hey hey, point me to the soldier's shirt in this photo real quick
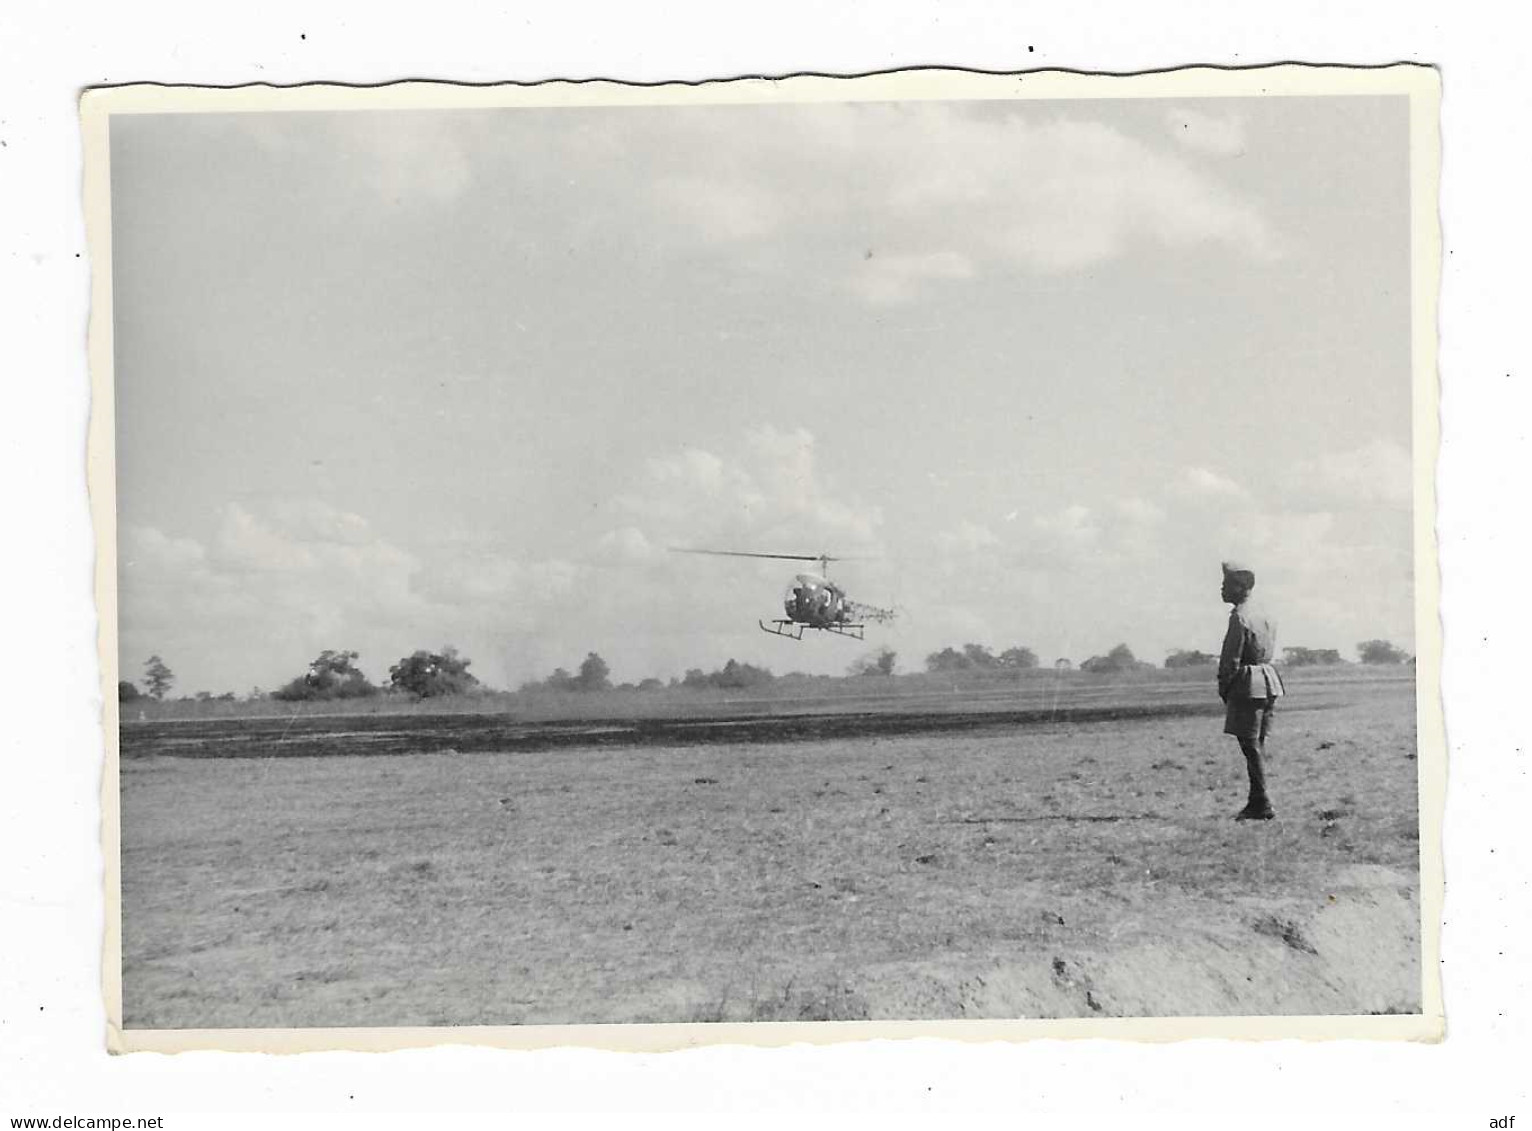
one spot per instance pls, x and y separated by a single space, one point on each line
1246 668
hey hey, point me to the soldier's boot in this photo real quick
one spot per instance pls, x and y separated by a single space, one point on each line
1258 808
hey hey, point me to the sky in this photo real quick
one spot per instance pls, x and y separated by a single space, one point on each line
389 380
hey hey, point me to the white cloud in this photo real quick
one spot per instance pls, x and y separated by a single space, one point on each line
270 590
273 585
1219 134
144 548
1066 538
393 161
891 279
628 544
511 591
967 538
1378 473
247 544
720 210
1139 511
767 496
940 193
1205 481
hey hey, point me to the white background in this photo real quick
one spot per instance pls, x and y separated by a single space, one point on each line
51 1019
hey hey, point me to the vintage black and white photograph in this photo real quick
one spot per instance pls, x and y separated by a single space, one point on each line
927 548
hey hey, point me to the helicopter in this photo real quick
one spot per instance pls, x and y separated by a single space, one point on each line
812 601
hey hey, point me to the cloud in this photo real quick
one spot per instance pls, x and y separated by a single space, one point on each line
1222 135
390 161
268 591
246 544
728 212
1205 482
271 586
1379 473
767 493
968 538
515 592
1139 511
890 279
892 200
940 193
1072 525
288 579
628 545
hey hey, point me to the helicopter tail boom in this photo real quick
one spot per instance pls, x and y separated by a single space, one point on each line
871 613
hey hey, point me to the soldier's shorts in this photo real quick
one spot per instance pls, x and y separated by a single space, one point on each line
1249 718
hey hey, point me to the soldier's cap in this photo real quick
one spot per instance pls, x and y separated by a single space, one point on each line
1239 574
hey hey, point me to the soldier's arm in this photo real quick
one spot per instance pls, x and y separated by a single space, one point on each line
1228 660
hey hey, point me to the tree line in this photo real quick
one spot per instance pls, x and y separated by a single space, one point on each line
424 674
333 674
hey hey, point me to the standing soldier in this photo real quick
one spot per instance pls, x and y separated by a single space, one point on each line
1249 683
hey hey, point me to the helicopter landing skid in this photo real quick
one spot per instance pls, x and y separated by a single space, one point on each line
793 630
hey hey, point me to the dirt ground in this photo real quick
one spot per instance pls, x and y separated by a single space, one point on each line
1042 870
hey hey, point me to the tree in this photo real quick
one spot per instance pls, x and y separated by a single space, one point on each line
127 692
428 674
947 660
980 657
1380 652
158 678
1310 657
1018 657
1183 658
594 674
880 662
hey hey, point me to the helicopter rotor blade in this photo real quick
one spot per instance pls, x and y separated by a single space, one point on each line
746 554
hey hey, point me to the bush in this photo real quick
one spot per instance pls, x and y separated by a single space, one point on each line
733 676
1119 659
1310 657
978 658
332 675
880 662
127 692
1184 658
1381 652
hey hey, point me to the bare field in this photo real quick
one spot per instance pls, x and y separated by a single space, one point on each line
992 866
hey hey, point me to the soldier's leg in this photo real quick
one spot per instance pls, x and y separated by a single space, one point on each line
1266 716
1259 804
